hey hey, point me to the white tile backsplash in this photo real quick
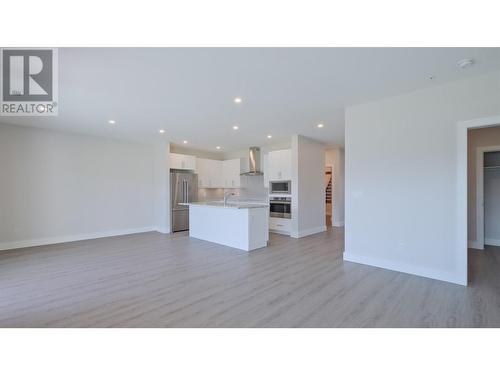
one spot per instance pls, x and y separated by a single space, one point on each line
252 189
205 195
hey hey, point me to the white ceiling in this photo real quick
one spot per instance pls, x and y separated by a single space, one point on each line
189 92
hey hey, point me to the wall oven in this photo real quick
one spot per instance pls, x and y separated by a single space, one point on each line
280 207
280 187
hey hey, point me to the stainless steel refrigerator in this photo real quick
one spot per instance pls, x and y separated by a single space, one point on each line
183 189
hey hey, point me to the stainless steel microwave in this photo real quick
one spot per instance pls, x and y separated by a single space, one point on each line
280 187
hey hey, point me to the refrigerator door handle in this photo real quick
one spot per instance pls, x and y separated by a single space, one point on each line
187 191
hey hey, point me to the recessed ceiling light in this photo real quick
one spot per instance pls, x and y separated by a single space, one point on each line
218 147
269 136
235 127
111 122
320 125
238 100
184 142
465 63
161 131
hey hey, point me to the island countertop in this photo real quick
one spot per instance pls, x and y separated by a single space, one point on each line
233 204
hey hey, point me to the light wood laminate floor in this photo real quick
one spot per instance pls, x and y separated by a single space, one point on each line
156 280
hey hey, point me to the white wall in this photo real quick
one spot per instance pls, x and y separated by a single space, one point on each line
339 195
401 176
162 188
308 193
58 187
335 158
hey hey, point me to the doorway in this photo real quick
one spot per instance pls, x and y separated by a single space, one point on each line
328 195
334 187
491 196
464 218
486 213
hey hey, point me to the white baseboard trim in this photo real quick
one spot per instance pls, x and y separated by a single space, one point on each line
308 232
162 230
283 232
492 241
72 238
474 245
257 245
338 224
406 268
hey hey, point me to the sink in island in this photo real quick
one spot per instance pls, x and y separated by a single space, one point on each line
241 225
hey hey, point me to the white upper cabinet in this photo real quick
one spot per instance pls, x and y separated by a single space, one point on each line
209 173
280 165
202 171
265 161
215 173
181 161
218 174
231 170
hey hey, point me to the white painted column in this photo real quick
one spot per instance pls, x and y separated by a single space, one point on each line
308 193
338 188
162 187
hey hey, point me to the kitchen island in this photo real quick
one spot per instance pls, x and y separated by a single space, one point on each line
241 225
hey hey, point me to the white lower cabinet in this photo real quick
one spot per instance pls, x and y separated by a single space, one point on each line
280 225
243 228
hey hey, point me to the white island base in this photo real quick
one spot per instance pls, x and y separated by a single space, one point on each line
244 227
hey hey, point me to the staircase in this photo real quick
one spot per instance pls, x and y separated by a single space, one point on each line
328 191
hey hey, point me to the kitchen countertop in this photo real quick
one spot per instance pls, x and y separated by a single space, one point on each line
230 204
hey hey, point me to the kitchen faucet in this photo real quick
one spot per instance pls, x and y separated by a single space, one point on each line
226 195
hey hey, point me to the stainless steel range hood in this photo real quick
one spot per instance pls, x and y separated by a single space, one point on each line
253 162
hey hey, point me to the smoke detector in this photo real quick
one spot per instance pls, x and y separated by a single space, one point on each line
465 63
